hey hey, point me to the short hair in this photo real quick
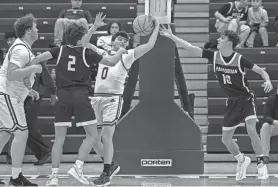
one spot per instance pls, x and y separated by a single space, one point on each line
110 25
23 24
120 33
9 35
232 36
74 33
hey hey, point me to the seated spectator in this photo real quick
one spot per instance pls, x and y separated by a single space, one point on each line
270 127
258 21
10 37
75 14
105 41
233 16
276 26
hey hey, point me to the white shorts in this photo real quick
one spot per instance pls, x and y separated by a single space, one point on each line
12 114
107 109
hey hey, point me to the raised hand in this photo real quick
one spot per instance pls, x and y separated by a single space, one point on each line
167 32
99 20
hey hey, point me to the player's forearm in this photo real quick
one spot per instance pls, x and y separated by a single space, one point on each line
265 75
42 58
47 79
20 73
112 60
153 37
192 50
89 35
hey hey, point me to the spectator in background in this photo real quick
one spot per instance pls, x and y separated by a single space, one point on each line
233 16
104 42
270 127
276 26
75 14
10 37
258 21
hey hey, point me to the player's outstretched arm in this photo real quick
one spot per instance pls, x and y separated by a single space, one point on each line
267 84
192 50
143 49
98 23
42 58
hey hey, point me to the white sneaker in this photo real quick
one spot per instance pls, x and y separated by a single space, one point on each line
77 173
53 181
262 171
242 168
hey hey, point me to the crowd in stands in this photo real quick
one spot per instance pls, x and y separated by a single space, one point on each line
246 18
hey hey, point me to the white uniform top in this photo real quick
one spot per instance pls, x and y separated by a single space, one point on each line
111 80
20 54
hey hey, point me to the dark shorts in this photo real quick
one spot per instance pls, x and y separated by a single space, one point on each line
75 102
238 111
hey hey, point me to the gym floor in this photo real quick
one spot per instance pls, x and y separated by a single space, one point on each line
216 174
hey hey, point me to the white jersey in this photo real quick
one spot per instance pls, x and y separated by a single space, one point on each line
111 80
20 54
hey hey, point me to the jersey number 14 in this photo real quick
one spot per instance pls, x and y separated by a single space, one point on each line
226 79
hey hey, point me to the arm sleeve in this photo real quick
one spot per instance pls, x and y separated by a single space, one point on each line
225 9
55 52
245 63
20 56
269 108
208 54
92 57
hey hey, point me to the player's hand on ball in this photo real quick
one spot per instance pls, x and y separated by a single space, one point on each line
267 86
99 20
34 95
167 32
53 100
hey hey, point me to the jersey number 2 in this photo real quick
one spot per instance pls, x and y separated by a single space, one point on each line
226 79
71 63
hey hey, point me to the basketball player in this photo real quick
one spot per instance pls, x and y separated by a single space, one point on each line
109 87
229 69
74 67
13 93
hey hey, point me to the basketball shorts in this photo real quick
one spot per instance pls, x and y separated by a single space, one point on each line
74 101
238 111
107 109
12 114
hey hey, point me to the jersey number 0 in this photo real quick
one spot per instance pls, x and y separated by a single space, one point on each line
104 73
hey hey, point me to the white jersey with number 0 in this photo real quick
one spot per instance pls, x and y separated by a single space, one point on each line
111 80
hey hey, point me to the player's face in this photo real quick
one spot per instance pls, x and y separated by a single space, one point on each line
10 41
223 42
34 32
76 3
114 28
120 42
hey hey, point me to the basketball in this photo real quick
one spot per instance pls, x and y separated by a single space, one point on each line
143 25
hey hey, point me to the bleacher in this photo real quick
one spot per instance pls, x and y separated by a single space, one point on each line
264 57
47 11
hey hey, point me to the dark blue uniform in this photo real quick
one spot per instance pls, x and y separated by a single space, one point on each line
230 73
74 68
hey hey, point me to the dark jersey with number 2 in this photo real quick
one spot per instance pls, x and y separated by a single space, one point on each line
230 72
75 65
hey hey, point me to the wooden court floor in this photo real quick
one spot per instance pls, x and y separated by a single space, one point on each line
216 174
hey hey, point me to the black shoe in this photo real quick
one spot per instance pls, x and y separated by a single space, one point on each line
2 183
44 159
21 181
103 180
114 169
9 159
